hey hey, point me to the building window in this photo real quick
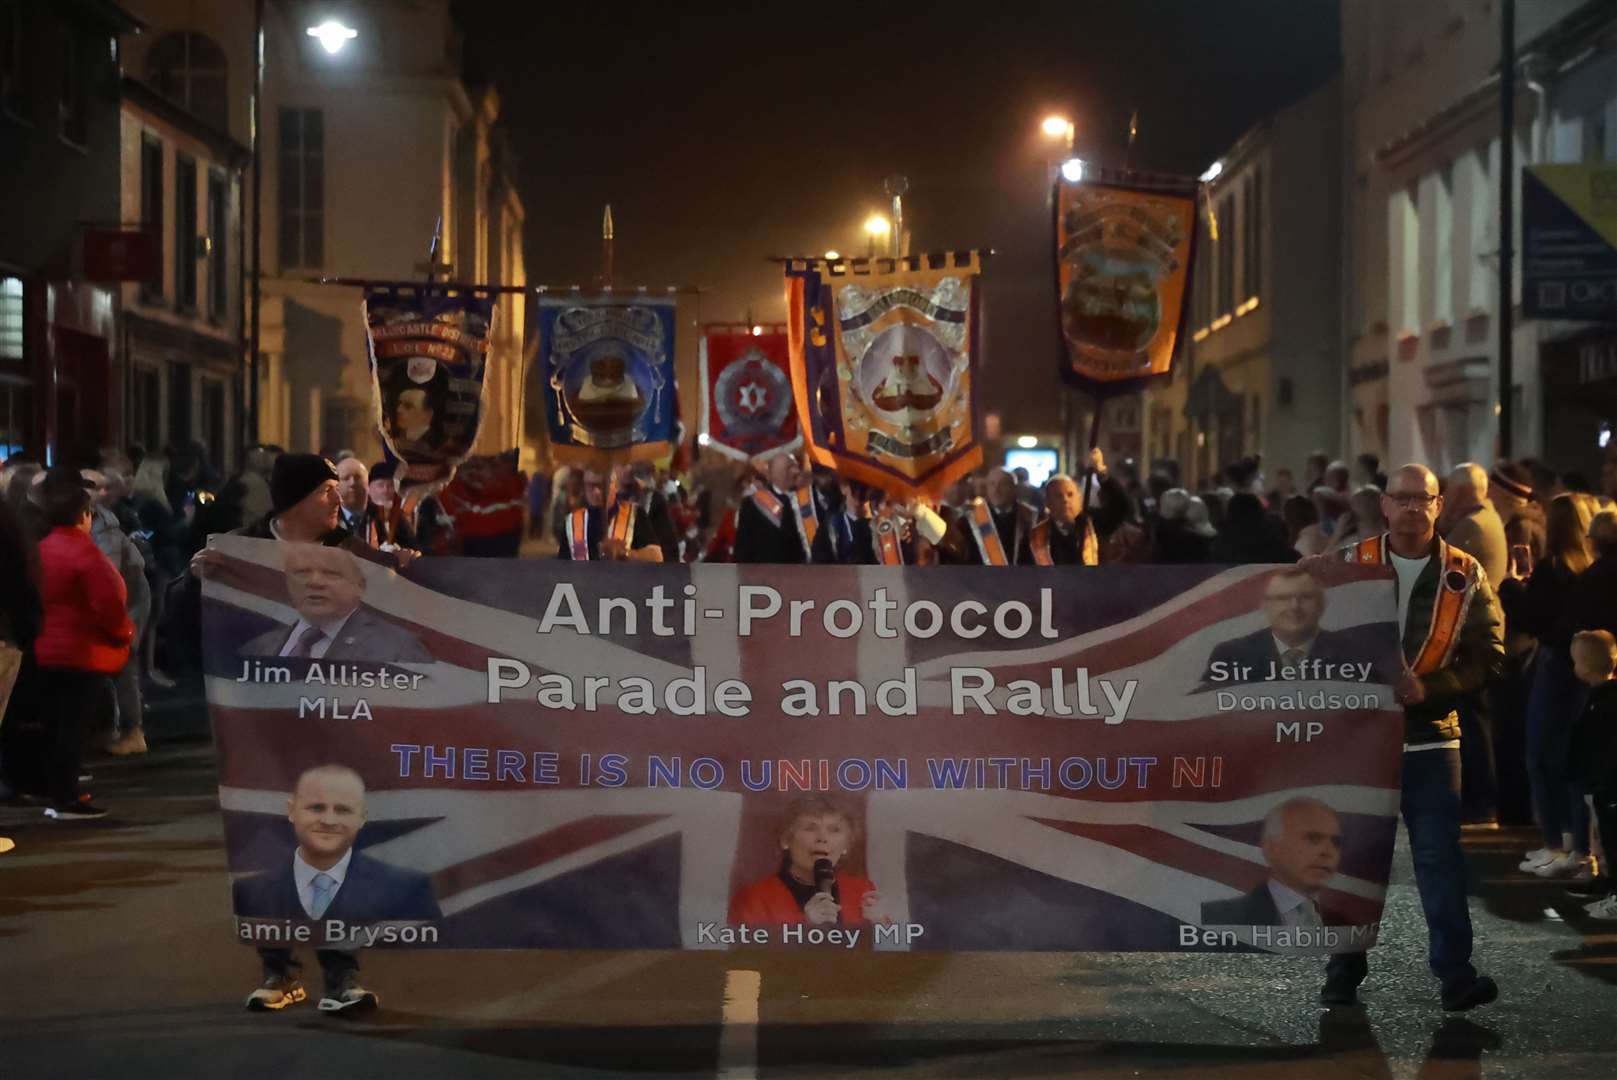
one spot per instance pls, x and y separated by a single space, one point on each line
70 102
11 323
213 419
1480 278
302 188
146 407
1252 257
1595 136
218 248
1443 246
151 209
15 73
185 232
1404 224
189 69
1226 255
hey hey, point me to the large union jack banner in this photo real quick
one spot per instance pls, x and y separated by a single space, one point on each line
538 754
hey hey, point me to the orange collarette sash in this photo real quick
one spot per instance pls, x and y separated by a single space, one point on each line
987 536
622 528
765 500
1038 541
1454 592
808 517
578 534
889 550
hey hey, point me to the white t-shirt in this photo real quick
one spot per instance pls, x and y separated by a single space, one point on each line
1408 571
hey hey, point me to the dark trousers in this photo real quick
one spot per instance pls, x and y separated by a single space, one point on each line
72 703
335 965
1479 770
23 734
1431 808
1554 700
1605 801
1507 701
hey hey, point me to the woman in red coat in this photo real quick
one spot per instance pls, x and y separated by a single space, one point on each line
815 832
84 640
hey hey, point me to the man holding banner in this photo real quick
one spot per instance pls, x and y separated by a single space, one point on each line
1453 644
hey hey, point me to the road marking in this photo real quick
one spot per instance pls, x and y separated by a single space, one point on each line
738 1031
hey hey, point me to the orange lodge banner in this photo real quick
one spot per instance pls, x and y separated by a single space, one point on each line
883 365
1123 257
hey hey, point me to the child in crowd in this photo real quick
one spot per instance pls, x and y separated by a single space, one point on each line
1594 747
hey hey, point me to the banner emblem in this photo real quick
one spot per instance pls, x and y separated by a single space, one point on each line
610 373
747 409
429 348
1123 259
883 365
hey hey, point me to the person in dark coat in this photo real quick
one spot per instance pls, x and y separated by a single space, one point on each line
21 617
768 529
1251 534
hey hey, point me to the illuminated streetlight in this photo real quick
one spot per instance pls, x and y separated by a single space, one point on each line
1072 170
332 35
877 228
757 331
832 256
1026 442
1056 126
1212 172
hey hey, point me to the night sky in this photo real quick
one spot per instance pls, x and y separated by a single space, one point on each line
725 133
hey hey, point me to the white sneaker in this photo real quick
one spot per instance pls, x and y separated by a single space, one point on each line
1604 909
1538 857
1569 867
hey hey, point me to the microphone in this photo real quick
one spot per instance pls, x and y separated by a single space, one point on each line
825 875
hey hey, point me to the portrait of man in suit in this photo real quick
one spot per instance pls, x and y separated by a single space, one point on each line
1302 845
326 585
325 878
1293 645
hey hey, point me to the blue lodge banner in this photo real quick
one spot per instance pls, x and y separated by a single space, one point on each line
429 347
609 378
557 755
882 370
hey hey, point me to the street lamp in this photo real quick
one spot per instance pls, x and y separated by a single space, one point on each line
876 227
1072 170
1059 127
832 256
333 36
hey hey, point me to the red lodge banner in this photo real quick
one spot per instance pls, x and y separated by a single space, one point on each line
747 410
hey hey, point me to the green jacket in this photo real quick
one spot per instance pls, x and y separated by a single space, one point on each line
1478 656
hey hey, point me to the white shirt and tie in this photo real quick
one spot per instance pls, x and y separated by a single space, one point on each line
317 888
1295 908
1292 655
312 639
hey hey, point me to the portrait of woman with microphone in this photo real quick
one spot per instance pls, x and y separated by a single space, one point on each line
807 888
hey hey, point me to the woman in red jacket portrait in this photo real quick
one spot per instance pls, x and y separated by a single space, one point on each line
808 889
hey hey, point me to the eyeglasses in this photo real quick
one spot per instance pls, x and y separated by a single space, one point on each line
1413 502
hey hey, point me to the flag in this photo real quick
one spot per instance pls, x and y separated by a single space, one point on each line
598 826
747 408
883 367
1123 257
429 347
608 377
